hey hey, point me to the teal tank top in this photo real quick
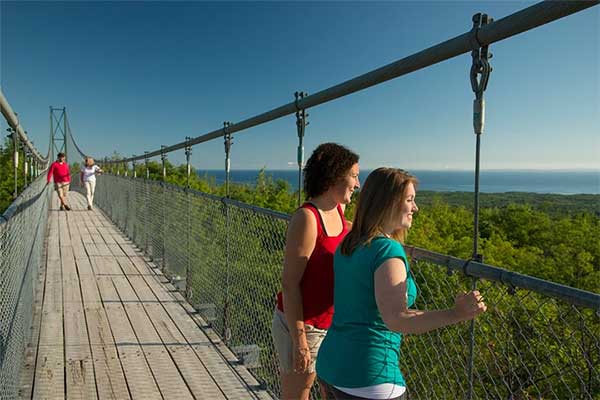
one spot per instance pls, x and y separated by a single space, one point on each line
359 350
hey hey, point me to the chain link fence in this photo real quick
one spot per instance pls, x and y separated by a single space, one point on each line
226 257
22 233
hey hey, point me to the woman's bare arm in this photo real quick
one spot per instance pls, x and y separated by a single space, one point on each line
300 243
390 294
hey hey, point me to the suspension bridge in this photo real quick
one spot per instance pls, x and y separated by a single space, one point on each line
164 292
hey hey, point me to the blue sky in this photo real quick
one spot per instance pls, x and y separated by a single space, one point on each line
135 75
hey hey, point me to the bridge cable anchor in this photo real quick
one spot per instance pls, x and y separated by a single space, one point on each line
188 153
163 158
480 71
227 141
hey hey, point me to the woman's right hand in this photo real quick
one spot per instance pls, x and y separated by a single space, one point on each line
469 305
302 358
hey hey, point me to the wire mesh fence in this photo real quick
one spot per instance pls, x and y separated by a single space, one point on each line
22 232
229 258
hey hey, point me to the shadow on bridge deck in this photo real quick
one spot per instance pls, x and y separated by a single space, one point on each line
107 326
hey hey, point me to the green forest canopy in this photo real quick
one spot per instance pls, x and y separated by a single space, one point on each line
553 237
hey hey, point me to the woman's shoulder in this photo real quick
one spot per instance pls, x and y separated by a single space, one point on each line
303 215
382 244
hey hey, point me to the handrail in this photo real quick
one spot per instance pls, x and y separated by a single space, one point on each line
468 267
20 203
13 122
512 279
519 22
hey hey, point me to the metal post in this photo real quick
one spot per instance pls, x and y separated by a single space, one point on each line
228 143
133 166
51 135
188 268
126 165
15 141
301 124
31 167
25 166
163 157
146 164
479 75
147 216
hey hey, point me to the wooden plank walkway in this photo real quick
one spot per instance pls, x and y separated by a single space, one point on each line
108 325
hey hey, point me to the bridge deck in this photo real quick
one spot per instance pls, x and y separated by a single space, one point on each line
108 327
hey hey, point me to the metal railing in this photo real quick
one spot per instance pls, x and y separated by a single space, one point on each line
15 125
22 233
537 340
511 25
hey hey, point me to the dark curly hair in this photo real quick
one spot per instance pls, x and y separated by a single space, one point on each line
327 164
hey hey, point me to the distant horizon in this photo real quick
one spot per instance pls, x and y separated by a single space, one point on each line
134 76
492 181
431 169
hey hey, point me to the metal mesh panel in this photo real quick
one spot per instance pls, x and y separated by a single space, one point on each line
527 345
207 278
256 247
21 249
176 232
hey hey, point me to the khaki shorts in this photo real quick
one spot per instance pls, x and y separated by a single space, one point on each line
62 188
284 346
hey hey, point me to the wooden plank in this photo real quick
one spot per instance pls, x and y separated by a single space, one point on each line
105 266
127 266
116 250
31 352
79 368
194 373
123 328
49 376
140 379
110 378
164 369
49 372
215 363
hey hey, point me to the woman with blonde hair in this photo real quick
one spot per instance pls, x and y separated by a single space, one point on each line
87 177
374 290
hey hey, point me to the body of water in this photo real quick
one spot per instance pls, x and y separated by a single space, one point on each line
557 182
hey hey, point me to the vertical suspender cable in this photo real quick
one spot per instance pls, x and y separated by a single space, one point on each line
25 165
163 157
188 268
228 143
482 69
301 123
15 161
146 205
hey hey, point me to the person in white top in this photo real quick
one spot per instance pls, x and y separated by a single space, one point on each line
87 177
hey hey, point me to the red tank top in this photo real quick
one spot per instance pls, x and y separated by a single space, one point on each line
317 282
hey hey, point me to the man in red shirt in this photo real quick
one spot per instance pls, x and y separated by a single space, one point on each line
59 171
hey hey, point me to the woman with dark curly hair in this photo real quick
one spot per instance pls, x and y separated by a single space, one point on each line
305 305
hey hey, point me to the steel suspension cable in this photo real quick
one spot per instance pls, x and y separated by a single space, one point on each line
521 21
